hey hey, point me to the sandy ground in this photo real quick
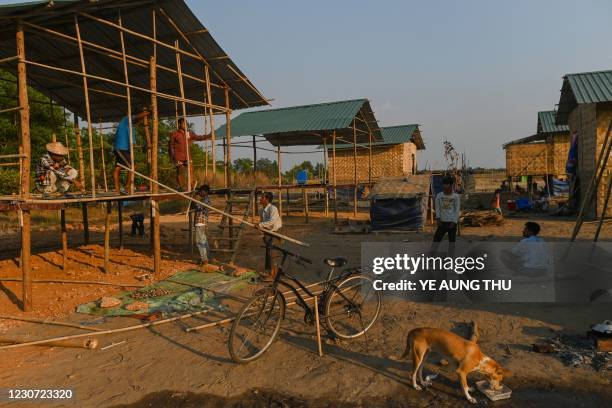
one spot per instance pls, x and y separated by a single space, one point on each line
165 366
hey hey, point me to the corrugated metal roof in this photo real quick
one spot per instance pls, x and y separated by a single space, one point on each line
538 137
392 135
66 88
306 124
583 87
547 123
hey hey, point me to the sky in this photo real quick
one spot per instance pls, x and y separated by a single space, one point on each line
474 72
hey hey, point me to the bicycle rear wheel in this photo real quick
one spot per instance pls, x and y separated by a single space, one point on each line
352 307
256 326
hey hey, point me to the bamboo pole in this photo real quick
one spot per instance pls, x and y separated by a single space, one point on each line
107 226
147 132
120 222
305 198
92 175
184 107
355 169
325 177
602 162
213 146
155 226
78 282
129 103
123 84
604 209
64 236
103 159
109 52
85 214
334 179
228 131
109 331
238 219
24 125
51 322
280 181
79 143
316 310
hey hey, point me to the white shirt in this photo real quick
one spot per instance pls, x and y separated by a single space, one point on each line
533 252
448 207
270 218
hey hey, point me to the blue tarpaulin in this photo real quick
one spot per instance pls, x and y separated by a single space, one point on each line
397 213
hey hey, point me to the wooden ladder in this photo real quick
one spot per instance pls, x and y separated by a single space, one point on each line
225 243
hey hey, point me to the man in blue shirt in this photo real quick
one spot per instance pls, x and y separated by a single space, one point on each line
121 147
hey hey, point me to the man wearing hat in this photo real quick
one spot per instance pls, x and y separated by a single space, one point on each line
53 174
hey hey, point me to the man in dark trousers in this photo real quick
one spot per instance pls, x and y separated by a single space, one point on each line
448 208
270 220
179 142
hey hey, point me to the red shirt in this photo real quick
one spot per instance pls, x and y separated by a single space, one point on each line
177 146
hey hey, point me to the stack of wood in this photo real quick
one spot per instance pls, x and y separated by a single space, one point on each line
480 218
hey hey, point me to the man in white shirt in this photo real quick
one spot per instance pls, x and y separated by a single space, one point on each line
270 220
448 208
532 252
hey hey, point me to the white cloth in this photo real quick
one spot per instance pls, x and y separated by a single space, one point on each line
533 252
270 218
448 207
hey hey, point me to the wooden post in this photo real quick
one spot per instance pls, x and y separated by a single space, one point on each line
213 145
184 107
355 168
92 176
254 162
334 179
155 226
147 132
79 143
25 160
228 132
305 195
325 177
120 222
103 159
107 238
288 203
85 224
128 95
280 182
64 234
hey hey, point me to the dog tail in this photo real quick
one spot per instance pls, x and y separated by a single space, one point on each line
406 352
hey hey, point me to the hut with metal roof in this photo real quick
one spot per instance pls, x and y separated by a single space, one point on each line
395 155
542 154
102 60
350 122
585 105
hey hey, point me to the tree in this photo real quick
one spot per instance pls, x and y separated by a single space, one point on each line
243 165
267 167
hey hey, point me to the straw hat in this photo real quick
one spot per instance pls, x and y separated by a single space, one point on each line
57 148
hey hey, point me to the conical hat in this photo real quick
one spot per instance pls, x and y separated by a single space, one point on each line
57 148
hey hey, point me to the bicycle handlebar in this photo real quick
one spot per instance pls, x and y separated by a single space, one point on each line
294 255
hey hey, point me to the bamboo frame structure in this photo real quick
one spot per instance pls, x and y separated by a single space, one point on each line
50 72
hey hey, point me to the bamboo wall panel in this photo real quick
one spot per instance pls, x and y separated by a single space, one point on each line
583 119
604 115
387 161
526 159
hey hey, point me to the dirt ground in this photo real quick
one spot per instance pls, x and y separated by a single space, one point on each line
166 366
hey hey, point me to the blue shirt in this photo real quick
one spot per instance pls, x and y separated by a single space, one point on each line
122 135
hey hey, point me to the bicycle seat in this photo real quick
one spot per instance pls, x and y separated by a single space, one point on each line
339 261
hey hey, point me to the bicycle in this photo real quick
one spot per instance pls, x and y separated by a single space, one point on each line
346 307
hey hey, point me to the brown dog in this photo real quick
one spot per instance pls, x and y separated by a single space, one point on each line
465 353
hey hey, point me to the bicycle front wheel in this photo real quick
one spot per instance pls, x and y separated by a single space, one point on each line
352 307
256 326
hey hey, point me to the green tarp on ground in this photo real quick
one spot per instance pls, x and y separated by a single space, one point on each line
187 291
